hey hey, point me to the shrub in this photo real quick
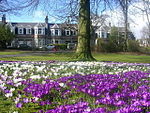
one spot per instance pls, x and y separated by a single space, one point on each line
145 50
61 46
133 46
100 45
108 45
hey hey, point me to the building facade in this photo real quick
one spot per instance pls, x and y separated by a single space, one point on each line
104 32
38 35
41 34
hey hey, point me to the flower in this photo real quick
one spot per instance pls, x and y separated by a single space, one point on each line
19 105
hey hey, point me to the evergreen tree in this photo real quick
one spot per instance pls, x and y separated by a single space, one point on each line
6 36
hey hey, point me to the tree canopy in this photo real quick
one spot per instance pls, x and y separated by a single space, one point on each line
5 35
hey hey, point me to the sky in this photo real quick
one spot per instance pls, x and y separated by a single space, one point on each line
36 16
137 21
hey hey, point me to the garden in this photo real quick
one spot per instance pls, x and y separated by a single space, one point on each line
74 87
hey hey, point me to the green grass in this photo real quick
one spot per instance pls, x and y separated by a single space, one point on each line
118 57
115 57
55 56
11 52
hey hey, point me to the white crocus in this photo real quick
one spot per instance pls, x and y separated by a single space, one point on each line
8 95
62 84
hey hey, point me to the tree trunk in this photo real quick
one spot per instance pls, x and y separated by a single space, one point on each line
126 25
83 51
147 8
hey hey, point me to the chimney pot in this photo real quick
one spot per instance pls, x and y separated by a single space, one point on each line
4 18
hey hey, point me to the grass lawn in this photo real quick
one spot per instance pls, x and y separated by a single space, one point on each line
122 57
115 57
11 52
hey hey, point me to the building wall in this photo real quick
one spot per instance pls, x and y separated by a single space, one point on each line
41 36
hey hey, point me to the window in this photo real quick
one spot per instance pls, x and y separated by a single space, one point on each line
20 31
56 32
73 32
28 30
39 31
103 34
67 32
99 35
44 42
52 32
108 35
43 31
56 41
40 42
36 31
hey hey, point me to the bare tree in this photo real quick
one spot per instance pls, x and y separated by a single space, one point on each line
146 10
124 4
98 20
145 35
13 6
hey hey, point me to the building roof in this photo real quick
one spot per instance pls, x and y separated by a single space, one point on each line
105 28
40 25
23 24
51 25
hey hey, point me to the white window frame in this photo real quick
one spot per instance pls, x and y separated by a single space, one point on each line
36 31
43 31
55 32
40 31
52 32
27 30
73 32
66 32
21 30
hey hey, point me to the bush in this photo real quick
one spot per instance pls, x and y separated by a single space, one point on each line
108 45
100 46
133 46
60 46
145 50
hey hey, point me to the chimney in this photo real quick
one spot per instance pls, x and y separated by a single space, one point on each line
4 18
46 20
109 24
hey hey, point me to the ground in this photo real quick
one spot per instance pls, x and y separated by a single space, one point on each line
69 56
48 82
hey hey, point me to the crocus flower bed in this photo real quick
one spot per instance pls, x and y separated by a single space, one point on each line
75 87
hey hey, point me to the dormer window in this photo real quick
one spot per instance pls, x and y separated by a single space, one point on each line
67 32
39 31
36 31
28 30
103 35
73 32
52 32
56 32
20 30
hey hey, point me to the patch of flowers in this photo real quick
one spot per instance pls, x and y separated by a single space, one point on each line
76 87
